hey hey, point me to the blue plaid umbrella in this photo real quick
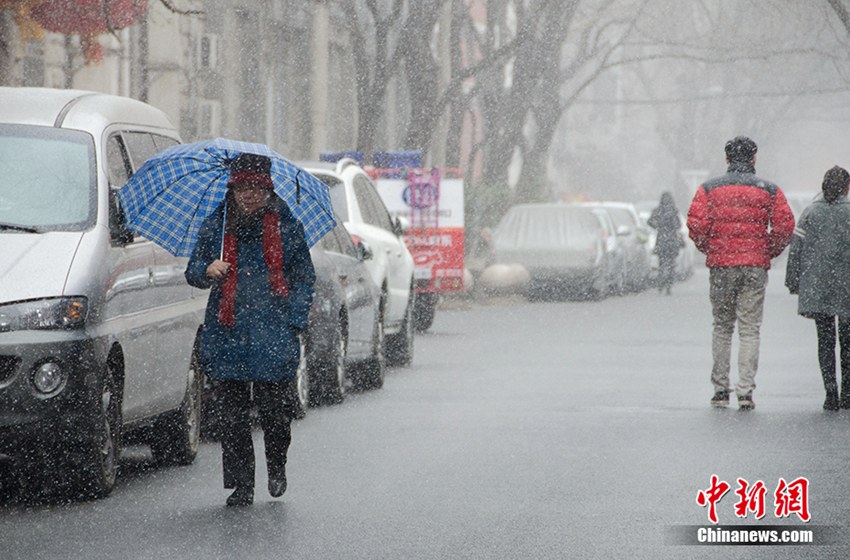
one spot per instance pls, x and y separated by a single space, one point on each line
168 198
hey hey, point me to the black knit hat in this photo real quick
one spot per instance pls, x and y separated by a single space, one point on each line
251 169
252 163
741 149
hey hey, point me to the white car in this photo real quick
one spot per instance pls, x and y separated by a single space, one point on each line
632 236
356 201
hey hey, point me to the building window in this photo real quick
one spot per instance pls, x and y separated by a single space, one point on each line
208 51
209 118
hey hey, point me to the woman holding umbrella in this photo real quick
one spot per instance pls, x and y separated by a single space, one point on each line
253 255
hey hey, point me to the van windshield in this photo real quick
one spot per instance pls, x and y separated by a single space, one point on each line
47 179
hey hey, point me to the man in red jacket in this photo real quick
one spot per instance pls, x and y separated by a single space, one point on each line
740 222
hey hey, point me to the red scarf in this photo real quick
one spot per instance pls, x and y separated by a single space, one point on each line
272 254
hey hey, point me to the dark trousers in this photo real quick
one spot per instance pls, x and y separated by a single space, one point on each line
825 325
666 266
237 444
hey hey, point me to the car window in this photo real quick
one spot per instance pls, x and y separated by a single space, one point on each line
140 146
331 243
345 242
605 220
117 163
622 217
163 142
361 193
119 170
547 226
47 178
337 193
377 212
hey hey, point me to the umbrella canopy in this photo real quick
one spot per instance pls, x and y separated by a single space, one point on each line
169 197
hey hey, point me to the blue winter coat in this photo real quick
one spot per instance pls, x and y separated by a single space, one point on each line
263 343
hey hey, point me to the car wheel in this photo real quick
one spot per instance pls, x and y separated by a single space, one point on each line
99 452
177 435
400 346
302 383
370 373
423 311
331 372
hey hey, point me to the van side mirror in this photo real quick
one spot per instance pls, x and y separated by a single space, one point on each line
118 230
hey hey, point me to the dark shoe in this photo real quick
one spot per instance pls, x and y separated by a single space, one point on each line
844 403
277 486
745 402
831 403
242 496
720 399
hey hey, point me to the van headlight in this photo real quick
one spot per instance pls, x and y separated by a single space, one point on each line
44 314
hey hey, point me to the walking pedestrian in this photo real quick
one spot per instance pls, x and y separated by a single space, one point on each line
740 222
666 221
819 271
253 255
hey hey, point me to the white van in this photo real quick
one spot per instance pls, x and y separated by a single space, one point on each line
97 325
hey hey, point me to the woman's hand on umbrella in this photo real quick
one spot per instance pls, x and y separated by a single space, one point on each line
218 269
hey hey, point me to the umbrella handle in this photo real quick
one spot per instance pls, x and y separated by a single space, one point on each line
223 229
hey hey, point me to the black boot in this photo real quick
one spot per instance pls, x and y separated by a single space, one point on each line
242 496
277 482
277 486
831 402
844 401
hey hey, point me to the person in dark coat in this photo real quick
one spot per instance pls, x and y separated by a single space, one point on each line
253 254
665 220
818 270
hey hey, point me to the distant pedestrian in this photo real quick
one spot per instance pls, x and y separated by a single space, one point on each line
819 271
666 221
740 222
252 252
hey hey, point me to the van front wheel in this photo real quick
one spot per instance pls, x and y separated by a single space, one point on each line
99 452
177 435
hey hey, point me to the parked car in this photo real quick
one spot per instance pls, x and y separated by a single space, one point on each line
98 327
561 246
364 215
616 267
344 332
685 260
632 236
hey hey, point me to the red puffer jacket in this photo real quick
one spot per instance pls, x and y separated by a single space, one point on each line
740 220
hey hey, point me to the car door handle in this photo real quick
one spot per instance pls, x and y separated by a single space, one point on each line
343 277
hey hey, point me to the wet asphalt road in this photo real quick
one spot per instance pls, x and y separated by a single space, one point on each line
523 430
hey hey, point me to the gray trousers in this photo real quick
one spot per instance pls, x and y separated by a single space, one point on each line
737 294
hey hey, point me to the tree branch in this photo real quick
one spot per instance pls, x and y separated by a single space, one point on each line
173 9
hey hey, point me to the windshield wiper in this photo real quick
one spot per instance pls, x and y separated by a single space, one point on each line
16 227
